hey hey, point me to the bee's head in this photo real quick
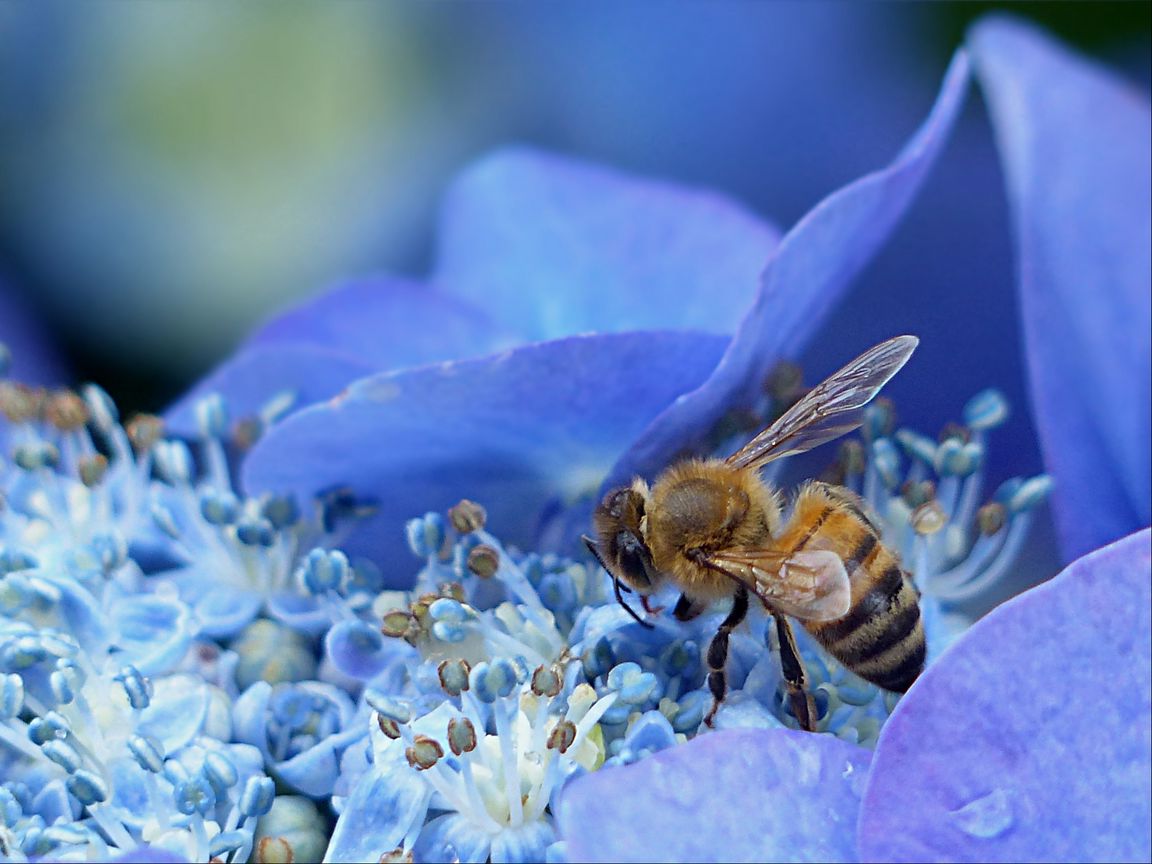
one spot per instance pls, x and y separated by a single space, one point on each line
619 543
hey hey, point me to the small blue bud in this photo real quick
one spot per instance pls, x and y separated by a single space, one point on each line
425 535
1029 493
48 727
492 681
101 409
256 532
60 682
219 507
281 510
448 632
136 686
387 706
148 753
598 659
679 657
23 652
986 410
212 416
10 809
88 788
220 772
173 462
447 609
917 446
11 695
324 570
691 711
257 796
194 795
557 592
63 754
886 461
63 834
634 685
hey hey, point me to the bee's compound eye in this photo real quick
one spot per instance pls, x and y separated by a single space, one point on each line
634 561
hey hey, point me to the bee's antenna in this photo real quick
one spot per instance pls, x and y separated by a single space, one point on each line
595 550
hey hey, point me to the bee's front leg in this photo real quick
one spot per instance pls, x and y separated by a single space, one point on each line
718 652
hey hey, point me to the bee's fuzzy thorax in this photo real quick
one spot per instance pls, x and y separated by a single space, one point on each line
706 505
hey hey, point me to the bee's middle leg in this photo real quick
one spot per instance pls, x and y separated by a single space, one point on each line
718 652
795 678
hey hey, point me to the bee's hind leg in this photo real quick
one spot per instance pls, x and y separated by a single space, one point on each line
795 678
718 651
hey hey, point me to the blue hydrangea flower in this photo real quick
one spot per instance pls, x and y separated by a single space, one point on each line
182 647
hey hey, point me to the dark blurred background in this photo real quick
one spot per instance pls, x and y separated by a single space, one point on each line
171 173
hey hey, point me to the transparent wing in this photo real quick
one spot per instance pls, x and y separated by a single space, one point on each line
810 585
830 409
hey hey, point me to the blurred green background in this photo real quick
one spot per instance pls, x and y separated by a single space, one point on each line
171 173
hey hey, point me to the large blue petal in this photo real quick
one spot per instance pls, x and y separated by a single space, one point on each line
1031 738
1075 144
360 326
805 276
517 431
552 247
736 795
255 375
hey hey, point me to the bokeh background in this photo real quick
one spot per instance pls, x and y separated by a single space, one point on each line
172 173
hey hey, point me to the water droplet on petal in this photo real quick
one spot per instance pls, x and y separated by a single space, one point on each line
987 817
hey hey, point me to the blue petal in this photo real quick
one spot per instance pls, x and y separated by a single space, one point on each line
359 650
805 276
251 378
145 854
1075 144
153 631
524 845
736 795
359 327
552 247
451 838
223 609
388 323
250 717
177 711
314 771
1031 738
518 432
381 810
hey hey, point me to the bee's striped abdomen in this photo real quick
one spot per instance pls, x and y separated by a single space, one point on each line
881 638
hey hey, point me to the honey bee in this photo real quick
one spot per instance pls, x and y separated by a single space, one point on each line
715 530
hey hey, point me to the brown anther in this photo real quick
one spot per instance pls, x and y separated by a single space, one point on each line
467 516
395 623
19 402
453 675
92 469
246 432
916 493
461 735
144 430
484 561
928 518
388 726
453 590
424 753
545 681
65 410
562 736
991 518
273 850
399 855
955 430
